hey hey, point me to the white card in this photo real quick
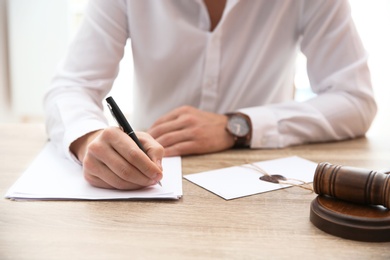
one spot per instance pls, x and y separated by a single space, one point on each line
239 181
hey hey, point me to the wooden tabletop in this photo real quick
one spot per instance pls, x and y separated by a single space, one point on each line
200 225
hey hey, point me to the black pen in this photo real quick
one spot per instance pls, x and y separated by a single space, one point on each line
123 123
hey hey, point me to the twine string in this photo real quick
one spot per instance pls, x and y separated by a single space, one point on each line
277 178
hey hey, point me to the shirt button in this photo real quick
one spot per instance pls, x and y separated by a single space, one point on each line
210 82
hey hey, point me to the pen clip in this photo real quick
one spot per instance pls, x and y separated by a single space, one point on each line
113 115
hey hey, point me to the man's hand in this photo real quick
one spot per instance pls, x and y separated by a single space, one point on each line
187 130
111 159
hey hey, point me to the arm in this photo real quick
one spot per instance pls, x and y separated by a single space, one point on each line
343 108
75 120
337 68
73 103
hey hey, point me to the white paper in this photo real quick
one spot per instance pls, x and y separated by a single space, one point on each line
52 176
241 181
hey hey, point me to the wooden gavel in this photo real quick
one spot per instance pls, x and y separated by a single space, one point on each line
353 184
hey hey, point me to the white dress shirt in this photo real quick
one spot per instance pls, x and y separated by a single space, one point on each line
246 64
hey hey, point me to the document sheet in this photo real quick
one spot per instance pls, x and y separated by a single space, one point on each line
244 180
52 176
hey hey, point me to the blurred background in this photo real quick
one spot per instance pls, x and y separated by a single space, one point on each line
34 35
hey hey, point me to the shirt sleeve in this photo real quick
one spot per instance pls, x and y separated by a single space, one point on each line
344 105
73 102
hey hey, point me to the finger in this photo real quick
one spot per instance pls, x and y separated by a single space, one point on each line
110 150
154 149
180 123
175 114
183 142
170 116
171 138
182 148
127 172
107 181
165 127
97 182
99 175
137 160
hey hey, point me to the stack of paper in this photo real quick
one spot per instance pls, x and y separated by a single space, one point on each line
52 176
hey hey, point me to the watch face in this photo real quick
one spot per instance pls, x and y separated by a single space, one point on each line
238 126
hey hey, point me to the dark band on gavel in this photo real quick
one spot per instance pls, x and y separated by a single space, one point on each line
352 184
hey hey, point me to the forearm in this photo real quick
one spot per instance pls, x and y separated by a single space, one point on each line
69 116
332 116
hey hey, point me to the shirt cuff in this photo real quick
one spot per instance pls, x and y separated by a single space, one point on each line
264 127
73 133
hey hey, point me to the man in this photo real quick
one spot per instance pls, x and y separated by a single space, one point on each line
209 75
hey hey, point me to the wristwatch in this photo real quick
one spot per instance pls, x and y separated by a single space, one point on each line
240 127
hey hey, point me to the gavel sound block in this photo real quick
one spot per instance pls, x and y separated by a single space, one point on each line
353 203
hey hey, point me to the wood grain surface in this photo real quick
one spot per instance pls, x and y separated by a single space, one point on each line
201 225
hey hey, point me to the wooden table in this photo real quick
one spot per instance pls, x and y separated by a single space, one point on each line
201 225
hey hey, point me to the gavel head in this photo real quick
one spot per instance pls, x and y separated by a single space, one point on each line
352 184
